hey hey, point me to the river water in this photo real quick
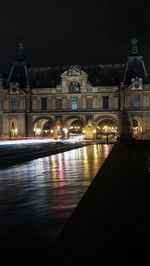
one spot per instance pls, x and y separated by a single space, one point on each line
38 197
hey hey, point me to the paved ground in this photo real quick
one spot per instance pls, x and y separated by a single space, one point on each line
111 225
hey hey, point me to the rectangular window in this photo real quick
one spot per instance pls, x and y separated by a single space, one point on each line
58 104
44 104
105 102
137 101
14 104
74 103
127 98
89 103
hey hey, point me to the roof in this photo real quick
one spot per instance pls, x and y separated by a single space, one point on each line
135 65
19 73
98 75
135 68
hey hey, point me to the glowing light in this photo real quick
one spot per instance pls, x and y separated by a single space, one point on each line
38 131
16 130
40 140
135 128
65 130
94 130
26 141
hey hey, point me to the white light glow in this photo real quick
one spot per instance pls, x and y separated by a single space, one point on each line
65 130
42 140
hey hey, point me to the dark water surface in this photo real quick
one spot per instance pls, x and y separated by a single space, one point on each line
38 197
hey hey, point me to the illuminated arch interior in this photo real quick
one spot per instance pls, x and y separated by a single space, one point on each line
13 127
44 128
136 127
107 126
76 127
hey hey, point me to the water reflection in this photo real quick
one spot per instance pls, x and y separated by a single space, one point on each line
38 197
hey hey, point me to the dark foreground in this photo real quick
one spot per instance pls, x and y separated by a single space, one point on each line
111 225
38 197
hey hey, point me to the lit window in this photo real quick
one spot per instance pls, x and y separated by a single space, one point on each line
74 103
14 104
137 101
74 86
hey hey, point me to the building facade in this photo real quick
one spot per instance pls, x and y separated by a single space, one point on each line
89 101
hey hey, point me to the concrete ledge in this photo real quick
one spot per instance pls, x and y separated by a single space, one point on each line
111 225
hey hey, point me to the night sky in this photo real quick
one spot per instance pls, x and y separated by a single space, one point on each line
63 32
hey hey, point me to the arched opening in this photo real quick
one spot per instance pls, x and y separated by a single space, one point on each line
136 128
13 127
106 129
43 128
48 129
75 126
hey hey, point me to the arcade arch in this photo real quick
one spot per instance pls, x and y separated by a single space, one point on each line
43 127
74 125
106 128
137 127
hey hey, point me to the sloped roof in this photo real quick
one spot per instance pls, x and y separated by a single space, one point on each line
19 73
135 65
98 75
135 68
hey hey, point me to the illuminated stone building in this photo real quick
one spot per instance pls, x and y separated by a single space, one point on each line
65 101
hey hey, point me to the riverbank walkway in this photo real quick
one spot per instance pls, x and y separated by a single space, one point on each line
111 224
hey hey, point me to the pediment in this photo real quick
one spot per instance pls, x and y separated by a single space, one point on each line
14 90
74 71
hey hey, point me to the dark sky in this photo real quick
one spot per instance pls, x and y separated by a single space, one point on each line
63 32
